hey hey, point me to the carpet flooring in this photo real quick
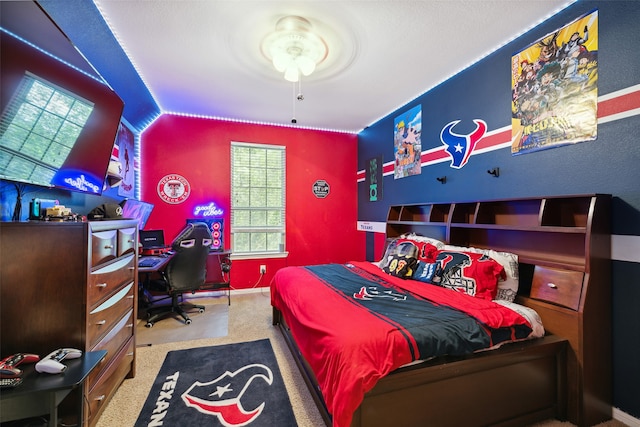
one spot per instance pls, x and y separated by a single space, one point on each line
212 323
249 319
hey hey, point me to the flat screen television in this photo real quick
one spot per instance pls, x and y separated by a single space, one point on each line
58 125
136 209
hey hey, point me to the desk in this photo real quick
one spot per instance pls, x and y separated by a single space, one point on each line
216 279
40 394
158 267
144 274
219 276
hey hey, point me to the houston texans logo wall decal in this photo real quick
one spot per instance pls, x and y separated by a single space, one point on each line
458 146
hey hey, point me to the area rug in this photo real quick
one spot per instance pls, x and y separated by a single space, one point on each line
212 323
228 385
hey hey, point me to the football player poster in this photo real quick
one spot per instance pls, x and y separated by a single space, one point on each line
554 88
407 146
126 141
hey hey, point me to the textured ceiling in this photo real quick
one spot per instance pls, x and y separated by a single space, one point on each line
202 57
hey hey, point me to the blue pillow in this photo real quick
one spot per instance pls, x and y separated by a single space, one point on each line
428 272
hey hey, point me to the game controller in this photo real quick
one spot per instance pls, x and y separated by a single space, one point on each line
9 365
52 363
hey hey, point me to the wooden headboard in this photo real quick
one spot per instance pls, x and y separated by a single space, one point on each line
564 248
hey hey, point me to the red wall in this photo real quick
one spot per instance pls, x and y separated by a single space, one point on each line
318 230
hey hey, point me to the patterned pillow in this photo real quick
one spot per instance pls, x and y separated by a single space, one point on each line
420 250
507 287
428 272
472 273
401 266
425 251
423 239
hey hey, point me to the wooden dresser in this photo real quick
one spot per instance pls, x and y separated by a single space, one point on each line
70 284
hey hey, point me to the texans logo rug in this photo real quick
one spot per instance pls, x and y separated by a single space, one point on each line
231 385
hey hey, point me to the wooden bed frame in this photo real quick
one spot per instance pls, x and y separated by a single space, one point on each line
563 244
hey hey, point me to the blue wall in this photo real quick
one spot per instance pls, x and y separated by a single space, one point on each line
606 165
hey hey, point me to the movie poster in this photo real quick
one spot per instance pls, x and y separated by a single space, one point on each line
407 146
554 88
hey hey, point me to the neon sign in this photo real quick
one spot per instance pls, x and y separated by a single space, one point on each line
82 183
208 210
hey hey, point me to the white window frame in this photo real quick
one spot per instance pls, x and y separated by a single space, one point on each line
236 209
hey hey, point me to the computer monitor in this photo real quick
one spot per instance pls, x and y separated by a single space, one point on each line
136 209
152 239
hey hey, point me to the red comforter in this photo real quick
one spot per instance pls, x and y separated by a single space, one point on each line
354 324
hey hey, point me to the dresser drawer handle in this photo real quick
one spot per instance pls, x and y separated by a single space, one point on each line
130 354
129 325
101 285
131 241
552 285
130 297
101 322
108 246
100 398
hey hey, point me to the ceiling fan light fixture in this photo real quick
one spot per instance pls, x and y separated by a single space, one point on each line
293 48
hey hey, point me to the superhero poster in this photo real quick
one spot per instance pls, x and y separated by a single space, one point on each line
407 146
554 88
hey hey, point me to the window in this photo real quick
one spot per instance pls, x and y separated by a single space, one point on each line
38 130
257 199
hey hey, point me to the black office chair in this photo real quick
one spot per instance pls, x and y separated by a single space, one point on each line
185 272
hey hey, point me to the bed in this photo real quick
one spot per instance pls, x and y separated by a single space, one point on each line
368 362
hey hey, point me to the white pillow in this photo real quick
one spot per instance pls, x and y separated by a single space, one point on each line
507 288
418 238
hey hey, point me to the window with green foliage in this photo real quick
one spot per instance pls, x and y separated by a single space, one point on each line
257 198
38 129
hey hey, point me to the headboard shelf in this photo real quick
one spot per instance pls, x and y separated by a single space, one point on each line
563 245
517 213
532 228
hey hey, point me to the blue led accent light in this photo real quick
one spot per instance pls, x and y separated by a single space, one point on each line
4 30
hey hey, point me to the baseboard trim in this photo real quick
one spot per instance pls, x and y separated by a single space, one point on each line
625 418
221 293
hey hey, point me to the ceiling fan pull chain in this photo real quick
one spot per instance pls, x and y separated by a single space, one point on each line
293 98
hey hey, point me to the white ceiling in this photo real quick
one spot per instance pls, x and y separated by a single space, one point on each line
202 57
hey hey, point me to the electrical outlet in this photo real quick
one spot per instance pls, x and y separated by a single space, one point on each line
263 269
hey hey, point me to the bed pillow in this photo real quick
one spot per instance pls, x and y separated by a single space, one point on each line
475 274
401 266
428 272
418 238
420 250
425 251
507 287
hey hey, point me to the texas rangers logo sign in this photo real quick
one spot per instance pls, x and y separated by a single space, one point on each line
460 146
222 397
174 189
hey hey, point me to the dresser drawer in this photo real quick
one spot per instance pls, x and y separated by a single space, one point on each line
104 387
127 241
105 281
104 246
560 287
104 317
113 342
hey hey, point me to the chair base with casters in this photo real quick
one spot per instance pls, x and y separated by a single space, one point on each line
185 272
176 307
